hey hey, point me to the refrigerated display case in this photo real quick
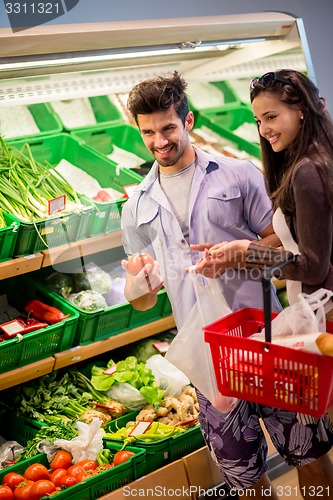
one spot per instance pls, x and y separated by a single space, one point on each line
53 63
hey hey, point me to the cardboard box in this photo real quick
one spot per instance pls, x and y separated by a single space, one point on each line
168 482
202 471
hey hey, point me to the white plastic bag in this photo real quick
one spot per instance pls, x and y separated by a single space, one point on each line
167 376
127 395
305 316
87 445
190 353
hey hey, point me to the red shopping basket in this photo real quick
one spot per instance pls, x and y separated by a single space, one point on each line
266 373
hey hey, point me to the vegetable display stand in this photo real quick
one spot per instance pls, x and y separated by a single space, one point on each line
164 451
105 112
96 486
8 237
225 121
106 215
264 372
42 343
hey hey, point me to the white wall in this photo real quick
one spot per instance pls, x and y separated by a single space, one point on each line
317 17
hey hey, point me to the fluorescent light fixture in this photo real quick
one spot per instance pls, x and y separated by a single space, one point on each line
184 48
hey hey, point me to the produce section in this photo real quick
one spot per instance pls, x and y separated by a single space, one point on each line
90 128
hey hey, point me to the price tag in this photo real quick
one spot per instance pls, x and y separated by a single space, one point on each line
187 422
57 204
111 370
129 189
99 405
12 327
162 347
141 427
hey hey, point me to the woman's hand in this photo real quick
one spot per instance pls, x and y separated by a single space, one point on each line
217 258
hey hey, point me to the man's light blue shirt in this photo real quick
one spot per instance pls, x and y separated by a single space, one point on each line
228 201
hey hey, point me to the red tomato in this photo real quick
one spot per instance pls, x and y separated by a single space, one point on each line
68 481
87 464
12 479
35 472
22 492
61 460
137 261
41 488
57 475
102 468
6 493
84 475
73 470
122 456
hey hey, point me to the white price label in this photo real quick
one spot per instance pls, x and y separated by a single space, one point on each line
111 370
57 204
141 427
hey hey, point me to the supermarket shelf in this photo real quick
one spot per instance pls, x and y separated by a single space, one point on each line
63 253
25 373
80 353
21 265
79 249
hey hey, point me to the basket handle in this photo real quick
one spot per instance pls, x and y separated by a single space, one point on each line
266 286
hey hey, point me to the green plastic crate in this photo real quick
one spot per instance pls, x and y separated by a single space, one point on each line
42 343
96 486
8 237
231 98
124 136
19 429
106 216
160 310
105 112
112 320
46 120
225 121
160 453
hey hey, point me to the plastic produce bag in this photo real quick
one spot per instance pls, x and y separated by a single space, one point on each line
127 395
167 375
190 353
87 444
305 316
9 451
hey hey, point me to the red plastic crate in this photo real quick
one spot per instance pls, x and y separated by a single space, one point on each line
267 373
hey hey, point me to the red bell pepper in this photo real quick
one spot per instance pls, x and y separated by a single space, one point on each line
19 325
44 312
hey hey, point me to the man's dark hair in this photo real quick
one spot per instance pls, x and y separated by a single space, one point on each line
159 94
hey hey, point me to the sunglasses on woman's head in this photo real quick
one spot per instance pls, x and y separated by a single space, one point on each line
268 79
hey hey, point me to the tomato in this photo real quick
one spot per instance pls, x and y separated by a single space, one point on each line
102 468
122 456
84 475
41 488
35 472
68 481
73 470
6 493
57 475
22 492
87 464
137 261
61 460
12 479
